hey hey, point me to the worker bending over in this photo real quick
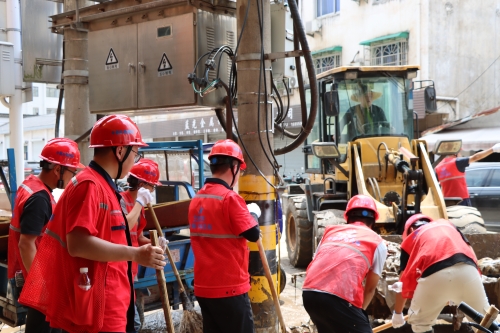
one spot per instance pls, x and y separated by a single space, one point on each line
342 278
438 266
32 210
142 180
88 230
220 224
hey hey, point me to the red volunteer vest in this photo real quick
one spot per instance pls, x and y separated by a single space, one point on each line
52 288
221 265
129 204
429 244
342 262
29 187
452 181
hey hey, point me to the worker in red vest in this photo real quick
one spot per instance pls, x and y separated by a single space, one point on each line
32 210
334 293
451 174
88 235
438 266
220 225
142 180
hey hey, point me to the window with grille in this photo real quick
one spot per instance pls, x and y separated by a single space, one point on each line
324 63
52 92
325 7
390 53
35 91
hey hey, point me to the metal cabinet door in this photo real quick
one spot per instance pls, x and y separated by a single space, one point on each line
113 69
166 55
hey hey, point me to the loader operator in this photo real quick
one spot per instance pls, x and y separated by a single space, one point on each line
142 180
333 291
32 210
437 266
88 230
363 117
451 174
220 224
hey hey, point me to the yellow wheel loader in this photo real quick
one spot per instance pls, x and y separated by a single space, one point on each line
363 143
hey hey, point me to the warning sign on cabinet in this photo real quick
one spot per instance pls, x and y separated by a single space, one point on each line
111 61
165 67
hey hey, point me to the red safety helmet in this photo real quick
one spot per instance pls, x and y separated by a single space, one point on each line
361 202
228 148
147 171
415 219
115 130
62 151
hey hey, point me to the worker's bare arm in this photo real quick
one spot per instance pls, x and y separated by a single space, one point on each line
370 287
400 303
479 156
27 249
133 216
81 244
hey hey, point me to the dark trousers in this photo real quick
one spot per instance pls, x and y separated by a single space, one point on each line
35 323
332 314
465 202
226 315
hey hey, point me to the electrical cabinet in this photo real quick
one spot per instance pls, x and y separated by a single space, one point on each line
144 66
7 77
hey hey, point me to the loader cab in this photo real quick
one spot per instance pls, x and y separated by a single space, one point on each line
361 102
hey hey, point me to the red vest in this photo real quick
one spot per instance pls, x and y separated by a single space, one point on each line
452 180
342 262
429 244
29 187
51 287
129 204
221 265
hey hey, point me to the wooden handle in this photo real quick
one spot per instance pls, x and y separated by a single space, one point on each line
386 326
269 277
489 317
167 250
155 219
162 286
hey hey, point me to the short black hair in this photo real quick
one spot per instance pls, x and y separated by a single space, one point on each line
220 164
361 215
133 182
102 151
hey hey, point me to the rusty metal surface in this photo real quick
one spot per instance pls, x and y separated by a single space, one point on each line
172 214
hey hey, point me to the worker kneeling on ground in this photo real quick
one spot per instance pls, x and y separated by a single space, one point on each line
333 291
220 224
142 180
88 235
32 210
438 266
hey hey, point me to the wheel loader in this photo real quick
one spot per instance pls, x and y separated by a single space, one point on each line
363 143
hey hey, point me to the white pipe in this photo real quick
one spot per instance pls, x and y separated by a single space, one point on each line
15 101
451 99
4 102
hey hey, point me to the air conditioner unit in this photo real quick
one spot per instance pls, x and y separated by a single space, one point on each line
313 27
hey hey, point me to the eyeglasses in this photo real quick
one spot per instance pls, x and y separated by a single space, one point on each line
73 172
137 157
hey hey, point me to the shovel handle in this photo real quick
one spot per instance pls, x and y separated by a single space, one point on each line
155 219
386 326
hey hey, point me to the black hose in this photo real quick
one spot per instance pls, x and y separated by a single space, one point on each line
61 96
222 119
306 130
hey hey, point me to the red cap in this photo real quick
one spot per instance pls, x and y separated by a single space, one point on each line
228 148
115 130
147 171
361 201
62 151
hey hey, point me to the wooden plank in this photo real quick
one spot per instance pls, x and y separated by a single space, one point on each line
170 214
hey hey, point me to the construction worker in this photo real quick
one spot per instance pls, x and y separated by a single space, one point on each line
220 225
88 232
60 160
451 174
334 294
142 180
438 267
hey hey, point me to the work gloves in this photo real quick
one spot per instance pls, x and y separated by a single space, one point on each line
496 148
162 242
254 209
397 319
144 197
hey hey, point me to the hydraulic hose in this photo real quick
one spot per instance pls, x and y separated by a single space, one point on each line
306 130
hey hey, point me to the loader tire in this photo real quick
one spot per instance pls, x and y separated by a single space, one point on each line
467 219
298 232
323 219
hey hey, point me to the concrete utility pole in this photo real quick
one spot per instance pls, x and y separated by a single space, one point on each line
16 101
252 186
77 119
